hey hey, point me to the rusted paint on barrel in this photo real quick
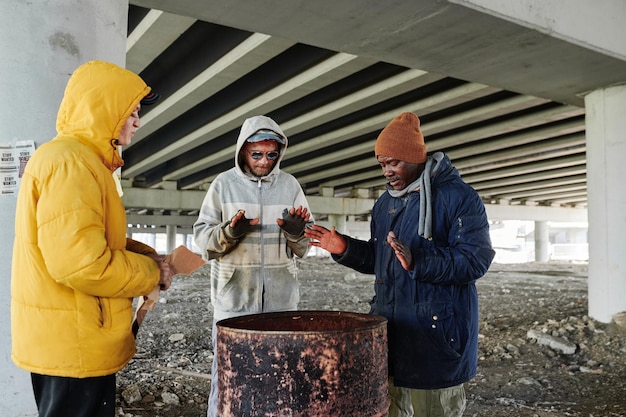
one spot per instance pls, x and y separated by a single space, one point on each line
303 363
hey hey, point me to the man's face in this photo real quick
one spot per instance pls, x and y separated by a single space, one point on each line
399 173
260 157
130 127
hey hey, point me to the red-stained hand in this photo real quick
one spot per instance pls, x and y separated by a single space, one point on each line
166 271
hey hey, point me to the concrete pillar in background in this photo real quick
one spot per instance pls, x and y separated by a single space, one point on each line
606 148
340 223
41 43
170 232
542 241
151 240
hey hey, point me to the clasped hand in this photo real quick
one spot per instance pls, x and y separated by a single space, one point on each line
166 271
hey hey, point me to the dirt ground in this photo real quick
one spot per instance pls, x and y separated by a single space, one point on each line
539 353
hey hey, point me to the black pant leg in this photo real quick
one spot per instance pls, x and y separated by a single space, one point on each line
74 397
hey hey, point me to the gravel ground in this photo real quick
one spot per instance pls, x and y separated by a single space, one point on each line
539 354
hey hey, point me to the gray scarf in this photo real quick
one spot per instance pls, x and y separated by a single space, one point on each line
422 184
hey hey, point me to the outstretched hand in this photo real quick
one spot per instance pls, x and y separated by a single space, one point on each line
240 224
294 220
326 239
402 251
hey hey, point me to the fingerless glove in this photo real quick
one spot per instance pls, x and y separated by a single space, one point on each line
294 225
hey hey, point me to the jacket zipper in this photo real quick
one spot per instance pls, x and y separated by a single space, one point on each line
262 244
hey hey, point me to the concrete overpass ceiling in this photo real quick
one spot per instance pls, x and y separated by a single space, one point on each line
503 100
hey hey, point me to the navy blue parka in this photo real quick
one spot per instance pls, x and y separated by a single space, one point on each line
432 310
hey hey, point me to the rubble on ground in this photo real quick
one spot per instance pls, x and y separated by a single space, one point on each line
539 352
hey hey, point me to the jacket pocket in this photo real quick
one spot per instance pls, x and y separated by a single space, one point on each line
282 289
439 322
240 292
105 312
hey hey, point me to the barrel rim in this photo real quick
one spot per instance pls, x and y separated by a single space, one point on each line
374 321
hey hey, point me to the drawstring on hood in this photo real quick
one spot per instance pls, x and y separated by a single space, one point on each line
115 146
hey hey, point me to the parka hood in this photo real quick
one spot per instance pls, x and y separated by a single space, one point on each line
99 98
251 126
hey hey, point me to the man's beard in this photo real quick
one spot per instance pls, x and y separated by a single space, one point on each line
259 172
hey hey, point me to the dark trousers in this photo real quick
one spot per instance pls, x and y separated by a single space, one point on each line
74 397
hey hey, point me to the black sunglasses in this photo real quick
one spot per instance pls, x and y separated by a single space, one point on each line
272 155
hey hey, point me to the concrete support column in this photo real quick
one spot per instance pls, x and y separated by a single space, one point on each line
170 233
542 241
41 43
606 148
151 240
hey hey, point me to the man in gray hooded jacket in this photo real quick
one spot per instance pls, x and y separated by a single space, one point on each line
250 227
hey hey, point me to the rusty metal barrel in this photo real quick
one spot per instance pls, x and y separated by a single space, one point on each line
302 363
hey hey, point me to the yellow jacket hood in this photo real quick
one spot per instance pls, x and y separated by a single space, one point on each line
99 98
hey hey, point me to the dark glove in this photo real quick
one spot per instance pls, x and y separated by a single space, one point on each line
242 227
294 224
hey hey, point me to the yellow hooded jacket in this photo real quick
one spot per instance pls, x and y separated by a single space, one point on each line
73 280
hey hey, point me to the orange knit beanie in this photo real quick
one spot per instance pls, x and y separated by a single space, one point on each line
402 139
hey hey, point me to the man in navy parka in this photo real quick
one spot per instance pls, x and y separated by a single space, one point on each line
429 244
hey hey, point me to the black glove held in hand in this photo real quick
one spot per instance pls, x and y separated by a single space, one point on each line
241 228
294 225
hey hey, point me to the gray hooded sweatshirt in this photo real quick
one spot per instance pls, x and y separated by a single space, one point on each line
256 273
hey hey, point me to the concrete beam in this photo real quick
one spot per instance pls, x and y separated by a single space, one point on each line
557 50
159 199
189 200
152 36
139 221
535 213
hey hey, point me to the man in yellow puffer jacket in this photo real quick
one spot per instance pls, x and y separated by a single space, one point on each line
74 271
